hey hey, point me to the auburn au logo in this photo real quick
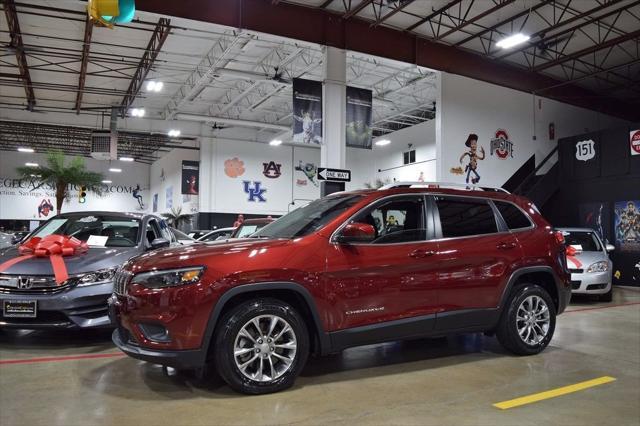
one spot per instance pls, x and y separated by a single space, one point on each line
272 169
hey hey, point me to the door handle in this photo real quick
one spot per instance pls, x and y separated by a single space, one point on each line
506 246
417 254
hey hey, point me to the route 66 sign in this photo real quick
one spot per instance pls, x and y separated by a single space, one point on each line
585 150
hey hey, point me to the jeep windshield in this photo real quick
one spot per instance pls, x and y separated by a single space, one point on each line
95 230
310 218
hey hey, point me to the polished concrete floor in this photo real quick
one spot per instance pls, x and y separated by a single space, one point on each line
451 381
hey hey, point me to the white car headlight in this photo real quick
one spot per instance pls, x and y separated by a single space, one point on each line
169 277
98 277
602 266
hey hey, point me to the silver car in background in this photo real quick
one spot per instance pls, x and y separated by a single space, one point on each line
589 263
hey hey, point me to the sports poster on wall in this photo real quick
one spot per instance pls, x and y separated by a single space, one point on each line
358 118
597 217
307 111
634 142
190 177
627 225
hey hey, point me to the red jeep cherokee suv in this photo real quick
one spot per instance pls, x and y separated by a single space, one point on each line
350 269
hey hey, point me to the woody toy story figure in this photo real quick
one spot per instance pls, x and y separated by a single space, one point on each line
472 166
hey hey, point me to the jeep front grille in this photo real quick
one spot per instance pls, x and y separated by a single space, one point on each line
121 281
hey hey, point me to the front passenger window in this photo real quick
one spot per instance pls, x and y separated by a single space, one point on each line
152 231
396 221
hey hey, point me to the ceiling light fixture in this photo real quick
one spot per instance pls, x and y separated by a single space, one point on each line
29 150
106 181
32 164
127 159
383 142
275 142
154 86
174 133
513 40
114 170
137 112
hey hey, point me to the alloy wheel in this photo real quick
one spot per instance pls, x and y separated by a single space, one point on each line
265 348
533 320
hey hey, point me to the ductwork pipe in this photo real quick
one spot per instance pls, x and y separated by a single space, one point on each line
231 121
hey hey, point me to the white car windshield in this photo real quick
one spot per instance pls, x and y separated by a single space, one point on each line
585 241
96 230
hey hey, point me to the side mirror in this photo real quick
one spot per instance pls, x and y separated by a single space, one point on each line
160 243
357 233
16 239
610 247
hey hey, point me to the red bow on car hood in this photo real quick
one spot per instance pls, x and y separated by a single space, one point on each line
571 256
52 246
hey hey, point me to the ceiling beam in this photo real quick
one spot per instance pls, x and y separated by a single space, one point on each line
357 9
505 21
160 34
588 50
542 34
302 23
393 12
16 43
86 46
434 14
476 18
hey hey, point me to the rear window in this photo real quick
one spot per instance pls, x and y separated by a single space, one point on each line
465 217
512 215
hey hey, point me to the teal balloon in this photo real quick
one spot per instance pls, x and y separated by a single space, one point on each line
127 11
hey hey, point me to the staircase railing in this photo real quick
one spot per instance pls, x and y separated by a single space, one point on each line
525 182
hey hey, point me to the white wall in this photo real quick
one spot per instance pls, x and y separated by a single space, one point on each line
166 180
470 106
365 164
223 193
18 199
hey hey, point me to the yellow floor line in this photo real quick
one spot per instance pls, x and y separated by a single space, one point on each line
504 405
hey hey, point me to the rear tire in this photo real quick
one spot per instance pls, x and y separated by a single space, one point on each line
607 297
261 346
528 320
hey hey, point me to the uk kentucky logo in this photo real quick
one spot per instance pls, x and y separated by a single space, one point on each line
256 193
501 145
272 169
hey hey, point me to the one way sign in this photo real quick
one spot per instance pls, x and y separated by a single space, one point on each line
335 175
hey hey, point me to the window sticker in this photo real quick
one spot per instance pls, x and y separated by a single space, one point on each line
97 240
88 219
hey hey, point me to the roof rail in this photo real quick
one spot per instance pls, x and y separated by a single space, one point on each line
450 185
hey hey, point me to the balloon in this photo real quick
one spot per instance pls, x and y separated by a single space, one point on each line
127 11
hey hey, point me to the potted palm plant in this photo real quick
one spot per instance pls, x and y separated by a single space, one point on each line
176 218
61 175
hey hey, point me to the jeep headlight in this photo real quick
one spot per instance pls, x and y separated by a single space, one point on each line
92 278
168 277
602 266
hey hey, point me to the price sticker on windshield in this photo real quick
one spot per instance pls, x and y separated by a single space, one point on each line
97 240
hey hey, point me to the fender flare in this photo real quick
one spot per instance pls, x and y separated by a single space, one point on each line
323 337
562 300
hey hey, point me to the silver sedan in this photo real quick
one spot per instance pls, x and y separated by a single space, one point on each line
589 263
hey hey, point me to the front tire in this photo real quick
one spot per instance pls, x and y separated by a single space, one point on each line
528 321
261 346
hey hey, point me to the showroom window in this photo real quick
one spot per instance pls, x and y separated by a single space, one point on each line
512 215
409 157
465 217
396 221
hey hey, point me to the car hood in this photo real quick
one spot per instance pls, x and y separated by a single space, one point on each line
228 253
94 259
586 258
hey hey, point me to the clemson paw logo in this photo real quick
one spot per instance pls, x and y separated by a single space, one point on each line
234 167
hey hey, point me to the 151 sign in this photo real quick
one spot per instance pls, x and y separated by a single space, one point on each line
585 150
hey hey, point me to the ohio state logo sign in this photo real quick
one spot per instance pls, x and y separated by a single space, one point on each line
501 145
634 142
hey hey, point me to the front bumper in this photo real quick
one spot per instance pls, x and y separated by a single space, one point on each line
591 283
76 307
183 359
